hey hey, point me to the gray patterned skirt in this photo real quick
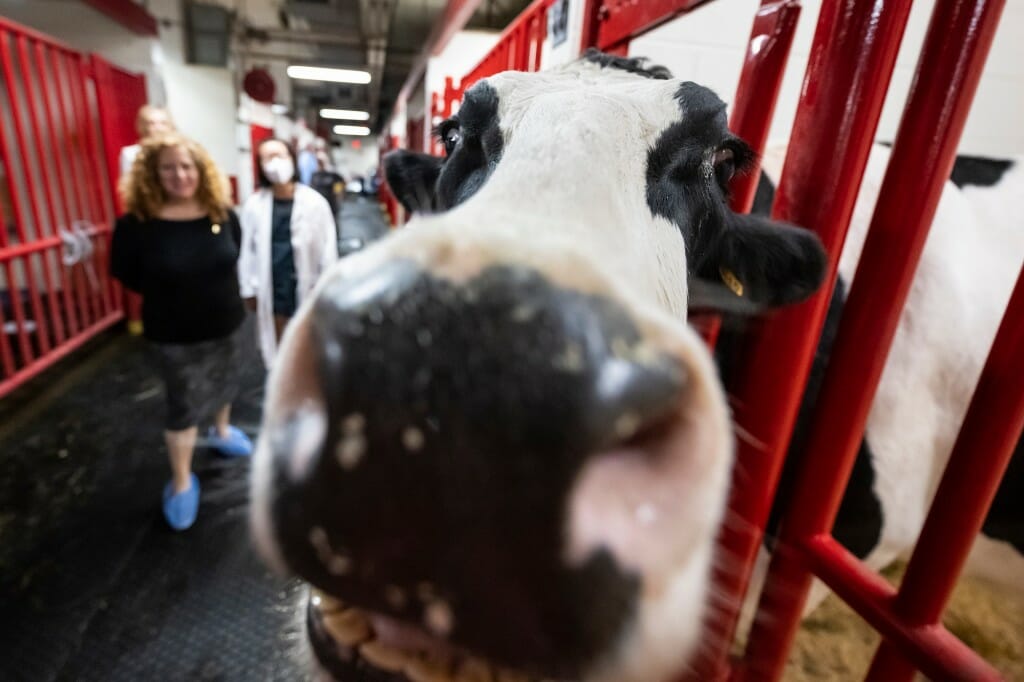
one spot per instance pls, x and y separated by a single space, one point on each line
199 378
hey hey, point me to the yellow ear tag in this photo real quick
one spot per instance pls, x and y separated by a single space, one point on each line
215 228
731 281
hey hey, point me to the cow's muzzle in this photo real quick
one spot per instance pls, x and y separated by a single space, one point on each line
427 479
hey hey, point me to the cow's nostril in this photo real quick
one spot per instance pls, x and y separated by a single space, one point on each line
457 416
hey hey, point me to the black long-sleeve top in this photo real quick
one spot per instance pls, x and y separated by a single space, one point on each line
186 272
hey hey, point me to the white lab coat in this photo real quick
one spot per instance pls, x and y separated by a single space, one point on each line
314 245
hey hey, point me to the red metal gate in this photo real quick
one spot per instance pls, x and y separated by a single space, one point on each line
58 200
855 49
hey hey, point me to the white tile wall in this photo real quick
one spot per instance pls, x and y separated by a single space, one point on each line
707 46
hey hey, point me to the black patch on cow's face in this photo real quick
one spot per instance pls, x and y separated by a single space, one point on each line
688 171
978 170
413 179
635 65
473 146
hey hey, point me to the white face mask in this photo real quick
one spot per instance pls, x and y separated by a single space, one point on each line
279 170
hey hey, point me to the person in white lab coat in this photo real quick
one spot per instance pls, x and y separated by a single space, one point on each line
288 241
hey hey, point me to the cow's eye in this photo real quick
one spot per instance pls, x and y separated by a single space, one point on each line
724 162
450 138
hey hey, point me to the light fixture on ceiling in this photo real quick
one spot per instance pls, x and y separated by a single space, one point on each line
345 114
351 130
322 73
279 108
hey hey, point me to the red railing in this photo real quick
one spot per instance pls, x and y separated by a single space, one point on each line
853 56
55 292
950 66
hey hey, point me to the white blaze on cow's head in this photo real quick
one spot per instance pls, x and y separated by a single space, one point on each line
490 441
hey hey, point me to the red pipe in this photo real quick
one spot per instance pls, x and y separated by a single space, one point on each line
940 654
764 67
55 206
852 58
43 363
6 356
104 210
47 169
58 326
752 110
920 163
27 354
73 78
992 426
58 81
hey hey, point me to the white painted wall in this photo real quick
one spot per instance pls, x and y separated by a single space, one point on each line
707 46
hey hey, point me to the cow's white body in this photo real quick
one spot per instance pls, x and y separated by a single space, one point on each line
967 270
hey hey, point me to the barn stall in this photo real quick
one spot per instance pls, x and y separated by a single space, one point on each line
831 78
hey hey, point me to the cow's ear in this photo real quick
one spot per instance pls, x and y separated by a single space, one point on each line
766 262
413 179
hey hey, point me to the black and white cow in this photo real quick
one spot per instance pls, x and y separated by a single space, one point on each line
968 267
491 442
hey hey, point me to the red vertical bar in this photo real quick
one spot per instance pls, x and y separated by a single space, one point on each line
102 216
852 57
48 86
923 155
992 427
6 357
764 66
75 129
48 167
42 329
57 83
27 356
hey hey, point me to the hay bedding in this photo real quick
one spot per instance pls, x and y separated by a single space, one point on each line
835 644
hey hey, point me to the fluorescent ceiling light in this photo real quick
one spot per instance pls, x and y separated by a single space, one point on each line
345 114
351 130
320 73
279 108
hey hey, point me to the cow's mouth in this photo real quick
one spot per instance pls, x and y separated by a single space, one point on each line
351 644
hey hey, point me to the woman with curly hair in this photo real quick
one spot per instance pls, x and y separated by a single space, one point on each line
178 246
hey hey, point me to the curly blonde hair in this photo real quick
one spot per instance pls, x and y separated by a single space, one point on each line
143 195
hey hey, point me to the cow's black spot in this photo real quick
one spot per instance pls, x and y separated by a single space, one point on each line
428 184
1005 519
764 196
635 65
478 150
978 170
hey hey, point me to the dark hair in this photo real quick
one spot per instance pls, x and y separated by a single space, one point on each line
261 177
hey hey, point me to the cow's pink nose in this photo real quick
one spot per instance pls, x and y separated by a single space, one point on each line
459 415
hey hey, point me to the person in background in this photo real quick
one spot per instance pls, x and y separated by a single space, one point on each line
307 163
288 240
178 245
149 121
328 183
